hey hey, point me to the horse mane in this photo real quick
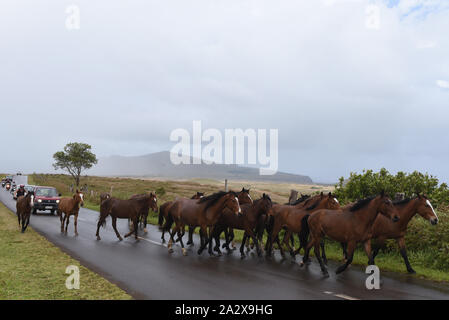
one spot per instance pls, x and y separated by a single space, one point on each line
300 200
213 198
361 203
403 201
313 206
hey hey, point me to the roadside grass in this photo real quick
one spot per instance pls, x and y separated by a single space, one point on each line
33 268
389 260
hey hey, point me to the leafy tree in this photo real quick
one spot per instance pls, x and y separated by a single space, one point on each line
368 183
75 158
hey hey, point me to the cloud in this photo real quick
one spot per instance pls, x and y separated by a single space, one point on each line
443 84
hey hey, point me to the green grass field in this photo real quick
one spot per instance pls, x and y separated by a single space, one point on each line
33 268
423 260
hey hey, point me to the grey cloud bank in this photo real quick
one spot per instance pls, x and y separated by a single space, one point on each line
344 97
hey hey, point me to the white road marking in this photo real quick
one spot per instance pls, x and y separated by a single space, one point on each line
153 242
341 295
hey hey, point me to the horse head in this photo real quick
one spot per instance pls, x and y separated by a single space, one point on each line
244 197
386 207
424 209
79 198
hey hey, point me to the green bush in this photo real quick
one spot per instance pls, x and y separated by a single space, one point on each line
368 183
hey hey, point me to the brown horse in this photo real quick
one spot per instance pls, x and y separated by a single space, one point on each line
251 217
203 213
70 206
164 209
24 206
351 226
384 228
104 196
281 213
143 217
124 209
292 221
244 198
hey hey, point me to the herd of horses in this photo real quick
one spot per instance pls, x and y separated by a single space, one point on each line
310 218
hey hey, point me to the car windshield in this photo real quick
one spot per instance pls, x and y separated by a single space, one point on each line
46 192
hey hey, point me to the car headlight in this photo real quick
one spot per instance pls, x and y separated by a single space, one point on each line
39 200
57 201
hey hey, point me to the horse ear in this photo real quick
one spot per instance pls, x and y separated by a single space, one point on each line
330 194
382 193
322 194
77 191
74 196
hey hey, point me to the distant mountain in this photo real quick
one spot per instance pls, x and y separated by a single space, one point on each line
159 165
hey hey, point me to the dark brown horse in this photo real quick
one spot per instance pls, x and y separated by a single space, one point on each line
163 213
143 217
68 207
384 228
104 196
24 206
204 213
244 198
124 209
251 217
350 226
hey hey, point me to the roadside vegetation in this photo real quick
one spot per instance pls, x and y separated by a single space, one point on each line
33 268
427 246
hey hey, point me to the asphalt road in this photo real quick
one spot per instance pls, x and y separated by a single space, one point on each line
146 270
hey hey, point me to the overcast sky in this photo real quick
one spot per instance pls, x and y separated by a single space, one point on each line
345 90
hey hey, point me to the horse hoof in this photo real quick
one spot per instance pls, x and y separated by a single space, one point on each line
325 273
184 251
340 270
76 234
200 252
170 250
120 239
145 230
411 271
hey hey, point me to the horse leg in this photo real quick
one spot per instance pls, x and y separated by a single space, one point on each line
345 253
211 232
403 251
62 219
191 230
305 258
316 249
323 252
67 223
23 223
351 247
145 218
217 233
287 237
136 227
232 235
114 226
242 246
76 224
251 234
28 221
203 234
369 254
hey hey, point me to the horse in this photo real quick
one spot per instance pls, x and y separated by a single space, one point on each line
248 221
24 206
104 196
283 209
70 206
124 209
144 213
163 213
204 213
243 197
384 228
351 226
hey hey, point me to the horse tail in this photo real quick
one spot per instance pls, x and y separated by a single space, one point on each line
168 222
304 233
161 216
